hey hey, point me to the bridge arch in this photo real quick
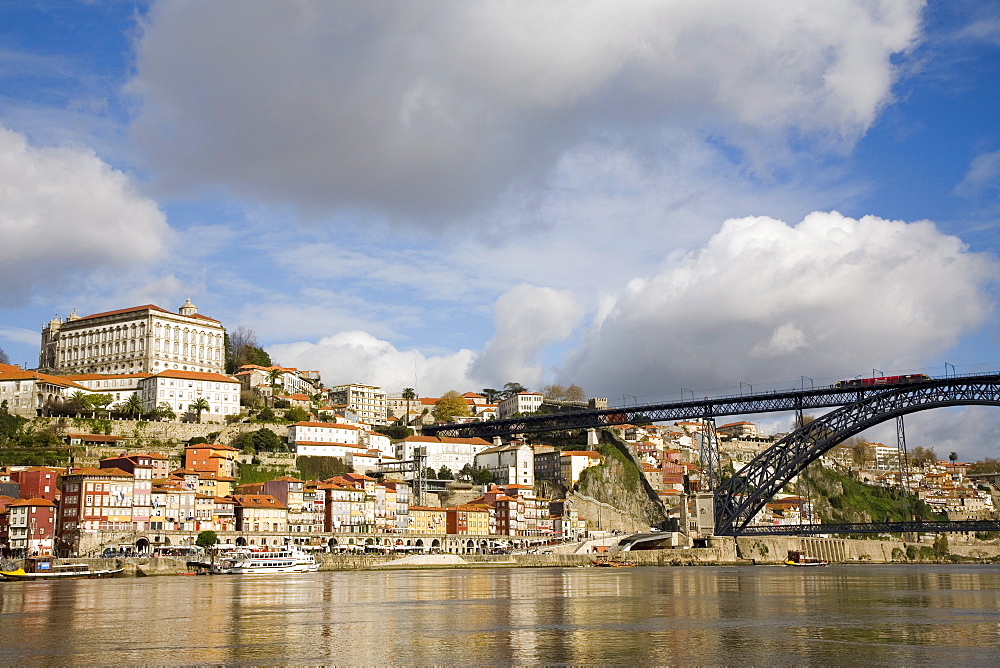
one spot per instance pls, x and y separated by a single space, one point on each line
745 494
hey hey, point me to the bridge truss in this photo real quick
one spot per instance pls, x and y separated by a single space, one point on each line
741 497
695 409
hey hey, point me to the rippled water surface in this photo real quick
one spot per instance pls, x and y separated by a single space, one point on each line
879 615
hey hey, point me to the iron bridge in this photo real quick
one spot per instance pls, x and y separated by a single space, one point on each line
741 497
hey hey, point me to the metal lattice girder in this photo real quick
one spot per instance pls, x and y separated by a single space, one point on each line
768 402
746 493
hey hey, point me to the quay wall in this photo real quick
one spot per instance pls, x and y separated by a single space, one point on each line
774 549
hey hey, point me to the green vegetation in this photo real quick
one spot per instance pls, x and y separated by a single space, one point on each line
241 348
395 432
262 440
251 473
450 406
321 468
296 414
206 539
840 498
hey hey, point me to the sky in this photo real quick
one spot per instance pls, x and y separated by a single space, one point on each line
644 198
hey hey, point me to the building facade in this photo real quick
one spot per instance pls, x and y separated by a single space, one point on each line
367 401
141 339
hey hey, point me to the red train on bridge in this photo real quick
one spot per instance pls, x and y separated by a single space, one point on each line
883 380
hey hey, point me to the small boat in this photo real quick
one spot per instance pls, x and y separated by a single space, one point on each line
44 569
800 558
245 561
610 564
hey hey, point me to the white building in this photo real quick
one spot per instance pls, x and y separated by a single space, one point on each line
325 439
29 393
367 401
454 453
180 389
119 386
141 339
512 464
521 403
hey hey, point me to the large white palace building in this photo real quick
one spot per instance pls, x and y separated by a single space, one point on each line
141 339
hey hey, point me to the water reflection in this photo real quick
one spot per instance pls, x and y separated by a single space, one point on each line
677 616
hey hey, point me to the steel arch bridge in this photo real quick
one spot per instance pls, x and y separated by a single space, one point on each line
741 497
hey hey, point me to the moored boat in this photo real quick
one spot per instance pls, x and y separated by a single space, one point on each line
246 561
800 558
44 569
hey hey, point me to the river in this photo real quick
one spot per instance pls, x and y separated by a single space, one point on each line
739 615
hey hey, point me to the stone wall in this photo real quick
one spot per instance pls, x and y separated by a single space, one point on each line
774 549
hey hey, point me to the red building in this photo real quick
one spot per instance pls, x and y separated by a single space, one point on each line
38 482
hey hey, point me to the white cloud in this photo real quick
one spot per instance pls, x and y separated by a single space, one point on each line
65 215
763 301
983 175
359 357
527 319
425 110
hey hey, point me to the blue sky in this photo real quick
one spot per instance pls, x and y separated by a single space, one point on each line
637 197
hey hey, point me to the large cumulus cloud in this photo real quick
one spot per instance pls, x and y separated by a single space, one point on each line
65 214
358 357
427 109
764 301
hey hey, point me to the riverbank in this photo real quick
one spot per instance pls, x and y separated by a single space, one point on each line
722 552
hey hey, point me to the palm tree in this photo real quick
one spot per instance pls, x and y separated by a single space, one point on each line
273 376
409 394
953 457
133 405
200 404
79 401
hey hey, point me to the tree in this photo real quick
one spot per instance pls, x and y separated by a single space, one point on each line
100 400
409 394
575 393
556 392
262 440
133 405
921 456
450 406
206 539
198 405
266 415
273 376
492 396
4 359
78 401
11 426
510 389
163 412
296 414
445 474
242 348
862 453
953 457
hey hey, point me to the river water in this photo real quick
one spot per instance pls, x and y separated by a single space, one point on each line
837 615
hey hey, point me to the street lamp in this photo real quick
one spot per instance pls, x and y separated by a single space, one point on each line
748 385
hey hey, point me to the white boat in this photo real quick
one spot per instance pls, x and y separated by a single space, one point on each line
243 561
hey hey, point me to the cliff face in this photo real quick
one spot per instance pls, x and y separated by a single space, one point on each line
617 489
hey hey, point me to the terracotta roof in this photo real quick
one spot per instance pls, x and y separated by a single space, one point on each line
32 502
331 425
195 375
150 307
44 377
258 501
102 376
339 445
